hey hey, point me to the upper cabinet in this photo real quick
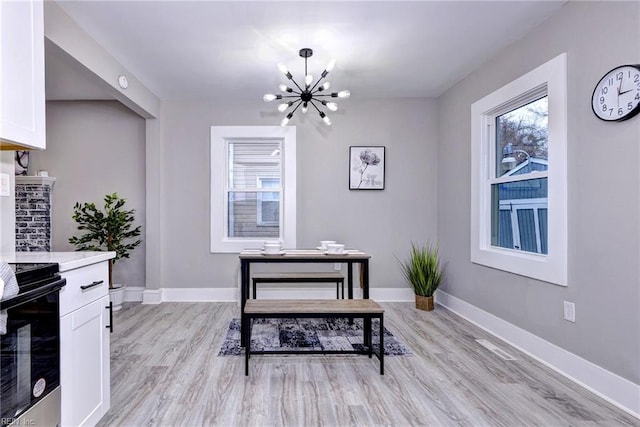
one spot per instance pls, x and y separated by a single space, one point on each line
22 96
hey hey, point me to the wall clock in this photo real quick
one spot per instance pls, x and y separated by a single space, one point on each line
616 97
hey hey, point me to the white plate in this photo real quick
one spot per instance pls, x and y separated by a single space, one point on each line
268 254
320 248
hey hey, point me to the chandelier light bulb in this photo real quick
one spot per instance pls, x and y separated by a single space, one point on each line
332 106
308 79
330 65
284 88
284 121
282 107
269 97
305 108
344 94
325 86
327 120
283 69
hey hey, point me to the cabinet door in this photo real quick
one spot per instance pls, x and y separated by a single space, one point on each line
22 96
85 365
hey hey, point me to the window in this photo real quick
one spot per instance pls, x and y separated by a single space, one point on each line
268 208
519 195
253 185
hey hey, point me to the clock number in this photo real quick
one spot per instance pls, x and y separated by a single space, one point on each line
604 107
605 90
636 78
611 81
620 112
619 76
637 96
630 106
610 112
602 100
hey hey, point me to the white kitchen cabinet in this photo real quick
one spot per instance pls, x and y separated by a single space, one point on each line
84 345
22 95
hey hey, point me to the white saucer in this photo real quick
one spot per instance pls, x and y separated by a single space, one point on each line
275 254
320 248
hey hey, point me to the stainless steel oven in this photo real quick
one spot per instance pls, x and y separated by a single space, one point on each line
30 348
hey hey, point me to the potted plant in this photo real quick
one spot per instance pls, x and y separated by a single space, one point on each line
424 271
110 229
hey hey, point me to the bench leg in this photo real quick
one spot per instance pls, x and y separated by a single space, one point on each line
247 347
381 344
254 288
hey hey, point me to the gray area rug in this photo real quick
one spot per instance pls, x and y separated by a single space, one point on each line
308 334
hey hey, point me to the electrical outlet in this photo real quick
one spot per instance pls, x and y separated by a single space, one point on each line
337 266
569 311
5 185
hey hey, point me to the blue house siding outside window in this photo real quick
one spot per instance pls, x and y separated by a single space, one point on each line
522 219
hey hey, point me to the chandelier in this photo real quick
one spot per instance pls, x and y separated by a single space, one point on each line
302 97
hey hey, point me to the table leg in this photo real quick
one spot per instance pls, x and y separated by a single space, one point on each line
364 284
381 344
244 291
364 268
350 280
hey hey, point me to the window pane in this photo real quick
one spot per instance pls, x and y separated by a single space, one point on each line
527 230
243 219
250 161
519 215
521 139
542 220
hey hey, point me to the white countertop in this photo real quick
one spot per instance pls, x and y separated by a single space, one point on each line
66 260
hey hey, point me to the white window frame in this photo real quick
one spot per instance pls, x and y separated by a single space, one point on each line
220 135
551 267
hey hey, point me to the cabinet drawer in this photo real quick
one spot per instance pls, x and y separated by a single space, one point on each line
84 285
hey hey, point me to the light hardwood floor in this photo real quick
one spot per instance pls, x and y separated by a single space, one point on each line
165 372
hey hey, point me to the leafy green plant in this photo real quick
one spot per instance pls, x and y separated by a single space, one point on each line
423 270
110 229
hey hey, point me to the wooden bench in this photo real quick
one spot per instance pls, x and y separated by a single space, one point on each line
324 277
316 308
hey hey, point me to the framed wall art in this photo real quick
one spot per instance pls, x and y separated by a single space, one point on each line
366 167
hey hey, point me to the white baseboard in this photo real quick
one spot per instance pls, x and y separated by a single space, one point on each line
611 387
133 293
152 296
157 296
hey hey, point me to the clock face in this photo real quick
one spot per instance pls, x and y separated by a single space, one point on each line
617 95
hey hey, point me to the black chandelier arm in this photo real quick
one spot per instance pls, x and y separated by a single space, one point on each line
296 83
318 81
327 94
296 107
315 106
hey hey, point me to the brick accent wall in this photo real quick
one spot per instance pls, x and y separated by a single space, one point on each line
33 213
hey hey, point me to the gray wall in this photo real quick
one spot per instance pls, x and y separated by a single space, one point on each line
380 222
8 205
603 205
94 148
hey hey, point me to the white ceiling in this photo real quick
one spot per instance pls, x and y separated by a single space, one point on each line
186 50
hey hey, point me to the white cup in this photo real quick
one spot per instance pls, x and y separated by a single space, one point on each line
335 248
324 243
272 247
42 173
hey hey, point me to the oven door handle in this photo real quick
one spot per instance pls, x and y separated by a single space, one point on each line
33 294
